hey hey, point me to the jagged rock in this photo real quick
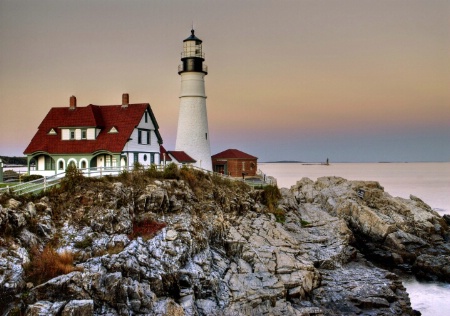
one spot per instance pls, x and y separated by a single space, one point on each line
42 308
168 307
433 267
171 235
78 308
394 231
13 204
447 218
221 252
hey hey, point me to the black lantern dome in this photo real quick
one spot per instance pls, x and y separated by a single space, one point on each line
192 55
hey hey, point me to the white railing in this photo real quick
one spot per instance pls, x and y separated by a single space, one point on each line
47 182
34 185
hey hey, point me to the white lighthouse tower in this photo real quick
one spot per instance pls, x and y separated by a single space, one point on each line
192 133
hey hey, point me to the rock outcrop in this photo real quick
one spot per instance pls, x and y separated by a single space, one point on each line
398 233
220 251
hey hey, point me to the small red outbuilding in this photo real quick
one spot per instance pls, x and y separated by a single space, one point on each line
235 163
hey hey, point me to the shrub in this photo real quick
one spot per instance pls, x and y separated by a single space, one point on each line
83 244
137 167
171 171
153 172
73 178
189 176
304 223
280 215
124 176
271 195
48 264
222 181
30 177
146 229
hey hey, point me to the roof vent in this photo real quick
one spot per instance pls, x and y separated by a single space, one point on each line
73 103
125 100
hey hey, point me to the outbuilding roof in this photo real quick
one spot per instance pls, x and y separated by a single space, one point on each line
181 156
164 154
123 118
233 154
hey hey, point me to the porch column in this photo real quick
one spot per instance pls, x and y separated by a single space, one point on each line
1 170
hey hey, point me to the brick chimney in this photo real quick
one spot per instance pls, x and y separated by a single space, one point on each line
73 103
125 100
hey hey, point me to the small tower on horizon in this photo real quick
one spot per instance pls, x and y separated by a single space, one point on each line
192 132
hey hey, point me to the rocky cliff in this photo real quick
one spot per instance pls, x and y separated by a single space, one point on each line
198 245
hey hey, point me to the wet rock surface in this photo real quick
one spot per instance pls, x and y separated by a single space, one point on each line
221 252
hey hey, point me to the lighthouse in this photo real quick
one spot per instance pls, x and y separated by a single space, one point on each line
192 132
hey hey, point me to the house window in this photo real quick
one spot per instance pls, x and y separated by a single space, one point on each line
72 134
83 134
61 165
83 164
49 163
136 157
206 136
145 157
143 137
152 158
146 118
243 166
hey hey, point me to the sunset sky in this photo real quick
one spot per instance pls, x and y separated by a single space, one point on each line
351 80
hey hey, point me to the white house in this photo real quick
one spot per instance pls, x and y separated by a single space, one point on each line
94 136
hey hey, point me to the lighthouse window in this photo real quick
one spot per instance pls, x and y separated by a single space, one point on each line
206 135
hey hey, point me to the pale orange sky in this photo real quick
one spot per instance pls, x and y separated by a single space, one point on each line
288 80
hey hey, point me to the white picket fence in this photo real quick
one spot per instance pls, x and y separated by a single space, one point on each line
47 182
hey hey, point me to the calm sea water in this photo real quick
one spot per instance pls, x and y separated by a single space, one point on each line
428 181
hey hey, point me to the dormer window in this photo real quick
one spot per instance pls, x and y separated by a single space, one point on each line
113 130
83 134
72 134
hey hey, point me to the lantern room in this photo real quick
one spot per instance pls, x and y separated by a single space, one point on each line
192 47
192 55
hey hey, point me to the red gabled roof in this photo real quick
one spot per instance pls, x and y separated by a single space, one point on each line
89 116
163 152
233 154
124 119
181 156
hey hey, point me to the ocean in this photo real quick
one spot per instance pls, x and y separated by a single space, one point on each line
428 181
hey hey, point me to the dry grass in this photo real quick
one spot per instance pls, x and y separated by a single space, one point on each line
48 264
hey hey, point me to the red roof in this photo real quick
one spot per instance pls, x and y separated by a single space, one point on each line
124 119
233 154
163 152
181 156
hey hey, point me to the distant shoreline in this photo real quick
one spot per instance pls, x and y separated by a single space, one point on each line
322 163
